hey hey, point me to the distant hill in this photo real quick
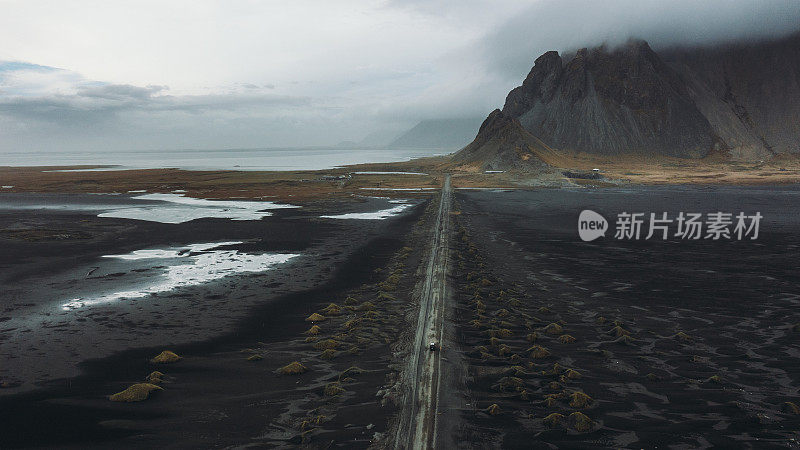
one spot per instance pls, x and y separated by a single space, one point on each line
741 100
439 133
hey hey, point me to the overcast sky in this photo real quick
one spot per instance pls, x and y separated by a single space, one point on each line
114 75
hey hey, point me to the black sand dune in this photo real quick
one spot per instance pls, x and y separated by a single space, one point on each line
654 343
232 335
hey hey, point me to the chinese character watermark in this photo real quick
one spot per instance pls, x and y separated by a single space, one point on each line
687 226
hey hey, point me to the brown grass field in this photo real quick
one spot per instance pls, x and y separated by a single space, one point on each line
300 186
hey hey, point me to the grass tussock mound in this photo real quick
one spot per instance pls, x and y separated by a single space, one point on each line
352 323
155 377
566 339
509 383
372 315
350 371
350 301
313 331
683 337
333 389
579 399
618 331
538 352
500 333
332 310
551 400
517 371
493 409
366 306
532 337
165 357
135 393
580 422
327 344
572 374
293 368
385 296
553 420
255 358
328 354
315 318
312 422
714 379
553 329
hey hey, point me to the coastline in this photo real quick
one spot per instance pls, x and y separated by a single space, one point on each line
414 178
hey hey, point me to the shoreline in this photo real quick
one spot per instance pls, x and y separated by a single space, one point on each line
417 178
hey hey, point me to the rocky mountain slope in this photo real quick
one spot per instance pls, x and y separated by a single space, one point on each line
502 144
749 93
740 100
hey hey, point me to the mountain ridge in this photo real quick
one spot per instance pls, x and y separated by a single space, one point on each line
678 102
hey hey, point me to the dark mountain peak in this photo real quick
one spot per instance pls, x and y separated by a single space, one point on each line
541 82
494 121
734 99
496 124
548 63
610 100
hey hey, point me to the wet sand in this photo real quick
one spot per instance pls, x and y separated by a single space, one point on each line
675 343
217 395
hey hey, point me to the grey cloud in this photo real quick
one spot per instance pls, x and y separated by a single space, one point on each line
101 103
120 91
571 24
463 82
130 117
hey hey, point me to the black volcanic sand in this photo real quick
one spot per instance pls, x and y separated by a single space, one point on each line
675 343
232 334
